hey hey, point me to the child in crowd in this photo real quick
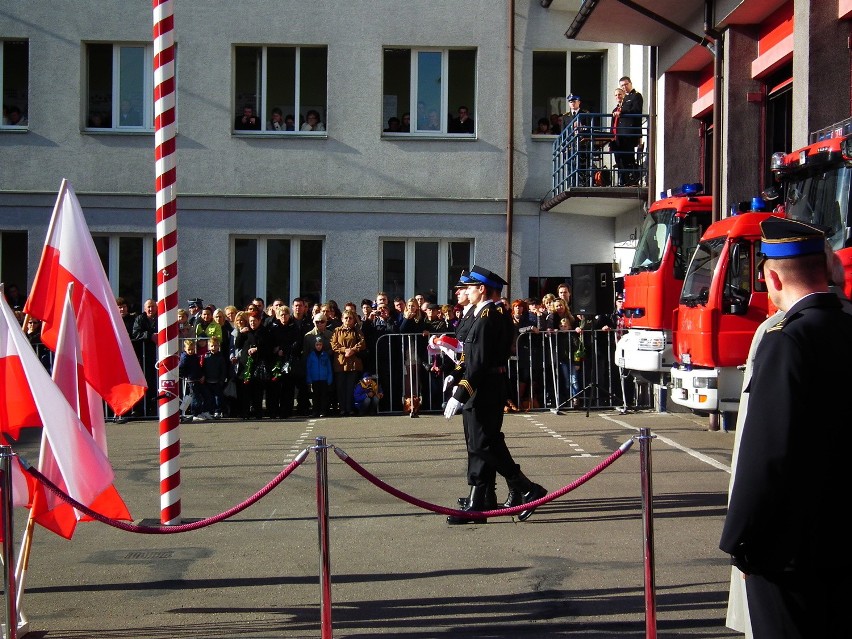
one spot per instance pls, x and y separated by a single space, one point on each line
319 375
367 395
191 370
215 366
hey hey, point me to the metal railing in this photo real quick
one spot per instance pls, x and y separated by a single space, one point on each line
584 154
544 374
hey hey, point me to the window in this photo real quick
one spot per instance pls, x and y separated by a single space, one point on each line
428 85
130 266
430 267
119 87
285 81
277 267
14 81
555 74
13 260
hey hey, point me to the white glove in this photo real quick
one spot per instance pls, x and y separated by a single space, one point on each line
453 406
447 381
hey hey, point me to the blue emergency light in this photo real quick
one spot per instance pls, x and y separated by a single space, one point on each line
693 188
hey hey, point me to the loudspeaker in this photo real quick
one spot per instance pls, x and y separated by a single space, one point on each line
593 292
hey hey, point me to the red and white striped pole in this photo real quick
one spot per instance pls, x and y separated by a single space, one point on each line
167 323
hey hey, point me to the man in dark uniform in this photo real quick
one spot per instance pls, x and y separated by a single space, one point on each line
791 477
482 394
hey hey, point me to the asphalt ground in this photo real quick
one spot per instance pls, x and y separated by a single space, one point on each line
575 568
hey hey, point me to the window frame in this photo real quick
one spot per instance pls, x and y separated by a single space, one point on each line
444 274
147 99
3 81
570 64
260 268
445 110
113 263
262 88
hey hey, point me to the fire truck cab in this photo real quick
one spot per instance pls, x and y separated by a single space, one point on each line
816 182
670 231
721 305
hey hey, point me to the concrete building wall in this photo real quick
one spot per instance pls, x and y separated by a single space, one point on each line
352 188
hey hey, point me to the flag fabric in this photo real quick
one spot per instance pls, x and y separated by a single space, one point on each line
74 456
69 256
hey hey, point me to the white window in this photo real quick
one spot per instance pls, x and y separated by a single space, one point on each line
280 85
14 82
555 74
429 86
130 265
431 267
277 267
119 87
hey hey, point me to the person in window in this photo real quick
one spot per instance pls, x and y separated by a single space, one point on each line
433 121
14 117
277 122
463 123
394 125
289 122
543 127
248 121
312 121
98 120
128 115
555 124
406 123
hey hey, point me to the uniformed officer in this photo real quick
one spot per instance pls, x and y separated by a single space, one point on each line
791 475
482 394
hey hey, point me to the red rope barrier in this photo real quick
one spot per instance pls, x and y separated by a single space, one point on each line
484 514
165 530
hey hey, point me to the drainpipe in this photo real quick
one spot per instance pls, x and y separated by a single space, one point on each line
718 60
510 150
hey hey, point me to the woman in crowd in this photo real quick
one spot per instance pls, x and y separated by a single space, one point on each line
347 342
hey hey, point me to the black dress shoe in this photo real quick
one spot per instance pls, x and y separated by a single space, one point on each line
476 501
537 492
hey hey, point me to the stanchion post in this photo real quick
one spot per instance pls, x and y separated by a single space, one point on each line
10 630
322 525
645 438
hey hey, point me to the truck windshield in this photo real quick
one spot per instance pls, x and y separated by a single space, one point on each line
652 240
820 196
696 286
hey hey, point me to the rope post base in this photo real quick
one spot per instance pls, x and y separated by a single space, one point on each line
322 526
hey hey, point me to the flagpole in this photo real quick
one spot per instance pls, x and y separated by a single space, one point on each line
167 324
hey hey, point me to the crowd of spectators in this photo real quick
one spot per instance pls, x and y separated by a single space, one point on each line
310 359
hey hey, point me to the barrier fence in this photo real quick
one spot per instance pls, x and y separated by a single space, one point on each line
551 370
8 457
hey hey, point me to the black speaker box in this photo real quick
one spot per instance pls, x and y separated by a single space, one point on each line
593 292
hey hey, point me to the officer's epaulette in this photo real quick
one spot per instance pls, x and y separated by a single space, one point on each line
484 312
500 308
777 327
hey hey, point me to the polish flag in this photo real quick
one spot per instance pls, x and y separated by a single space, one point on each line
74 455
70 256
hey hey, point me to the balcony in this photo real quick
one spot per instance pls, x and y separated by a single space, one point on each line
586 166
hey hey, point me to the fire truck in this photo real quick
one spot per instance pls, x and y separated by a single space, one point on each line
670 232
722 302
721 305
816 183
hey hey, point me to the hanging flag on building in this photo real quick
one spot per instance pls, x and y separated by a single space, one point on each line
69 256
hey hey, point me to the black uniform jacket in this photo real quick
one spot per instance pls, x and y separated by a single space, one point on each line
792 478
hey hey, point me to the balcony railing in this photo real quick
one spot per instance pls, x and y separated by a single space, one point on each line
586 154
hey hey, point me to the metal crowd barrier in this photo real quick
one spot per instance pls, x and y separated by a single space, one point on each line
539 374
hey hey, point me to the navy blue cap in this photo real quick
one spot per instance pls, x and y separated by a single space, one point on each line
195 301
573 96
783 238
489 278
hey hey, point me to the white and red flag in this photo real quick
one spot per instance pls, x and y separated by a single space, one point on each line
74 455
69 256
